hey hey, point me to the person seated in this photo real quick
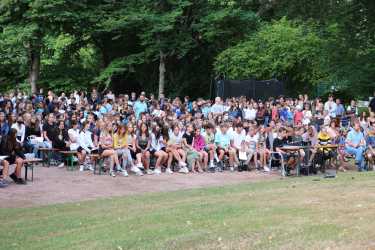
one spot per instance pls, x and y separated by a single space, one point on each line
192 156
132 149
106 149
174 149
355 144
370 152
49 130
278 143
143 144
238 136
222 141
33 134
121 147
262 150
11 148
251 140
199 145
324 154
209 140
73 134
158 149
4 172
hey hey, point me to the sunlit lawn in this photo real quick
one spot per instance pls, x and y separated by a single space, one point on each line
295 213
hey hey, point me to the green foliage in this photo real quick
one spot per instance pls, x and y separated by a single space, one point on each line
117 44
277 49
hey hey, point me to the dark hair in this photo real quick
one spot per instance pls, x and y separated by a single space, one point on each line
239 125
157 133
140 129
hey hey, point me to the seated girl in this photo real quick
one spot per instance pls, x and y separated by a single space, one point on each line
158 150
193 157
143 144
174 149
121 147
106 150
199 145
10 147
132 149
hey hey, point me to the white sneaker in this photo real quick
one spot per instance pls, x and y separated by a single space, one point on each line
157 171
184 170
140 166
212 165
136 170
149 171
90 167
75 159
112 173
81 168
119 168
231 169
168 171
182 164
124 173
61 165
266 169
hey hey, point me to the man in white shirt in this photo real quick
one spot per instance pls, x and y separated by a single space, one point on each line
237 137
217 108
250 113
331 107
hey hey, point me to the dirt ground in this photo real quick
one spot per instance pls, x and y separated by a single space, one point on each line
53 185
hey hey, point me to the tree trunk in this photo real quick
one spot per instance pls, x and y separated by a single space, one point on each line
34 66
162 73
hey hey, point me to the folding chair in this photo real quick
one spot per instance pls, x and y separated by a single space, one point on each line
281 160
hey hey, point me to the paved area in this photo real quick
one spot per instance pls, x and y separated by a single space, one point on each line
53 185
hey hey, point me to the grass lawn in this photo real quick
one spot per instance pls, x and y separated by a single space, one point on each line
295 213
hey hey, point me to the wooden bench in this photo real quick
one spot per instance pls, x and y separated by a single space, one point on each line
69 156
29 164
47 155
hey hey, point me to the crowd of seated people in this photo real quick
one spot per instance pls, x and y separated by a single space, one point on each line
154 136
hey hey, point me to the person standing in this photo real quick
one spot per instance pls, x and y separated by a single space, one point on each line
330 106
140 106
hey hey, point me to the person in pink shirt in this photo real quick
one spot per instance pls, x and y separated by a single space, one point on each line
298 115
275 112
199 144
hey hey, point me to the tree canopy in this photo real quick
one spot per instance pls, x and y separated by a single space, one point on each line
178 46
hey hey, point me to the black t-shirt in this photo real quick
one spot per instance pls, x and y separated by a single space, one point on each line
51 130
189 138
278 143
32 131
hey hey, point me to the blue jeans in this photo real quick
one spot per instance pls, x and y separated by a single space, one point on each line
358 152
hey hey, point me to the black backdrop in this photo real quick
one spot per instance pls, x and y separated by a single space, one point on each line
250 88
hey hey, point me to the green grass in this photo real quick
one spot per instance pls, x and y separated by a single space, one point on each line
295 213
